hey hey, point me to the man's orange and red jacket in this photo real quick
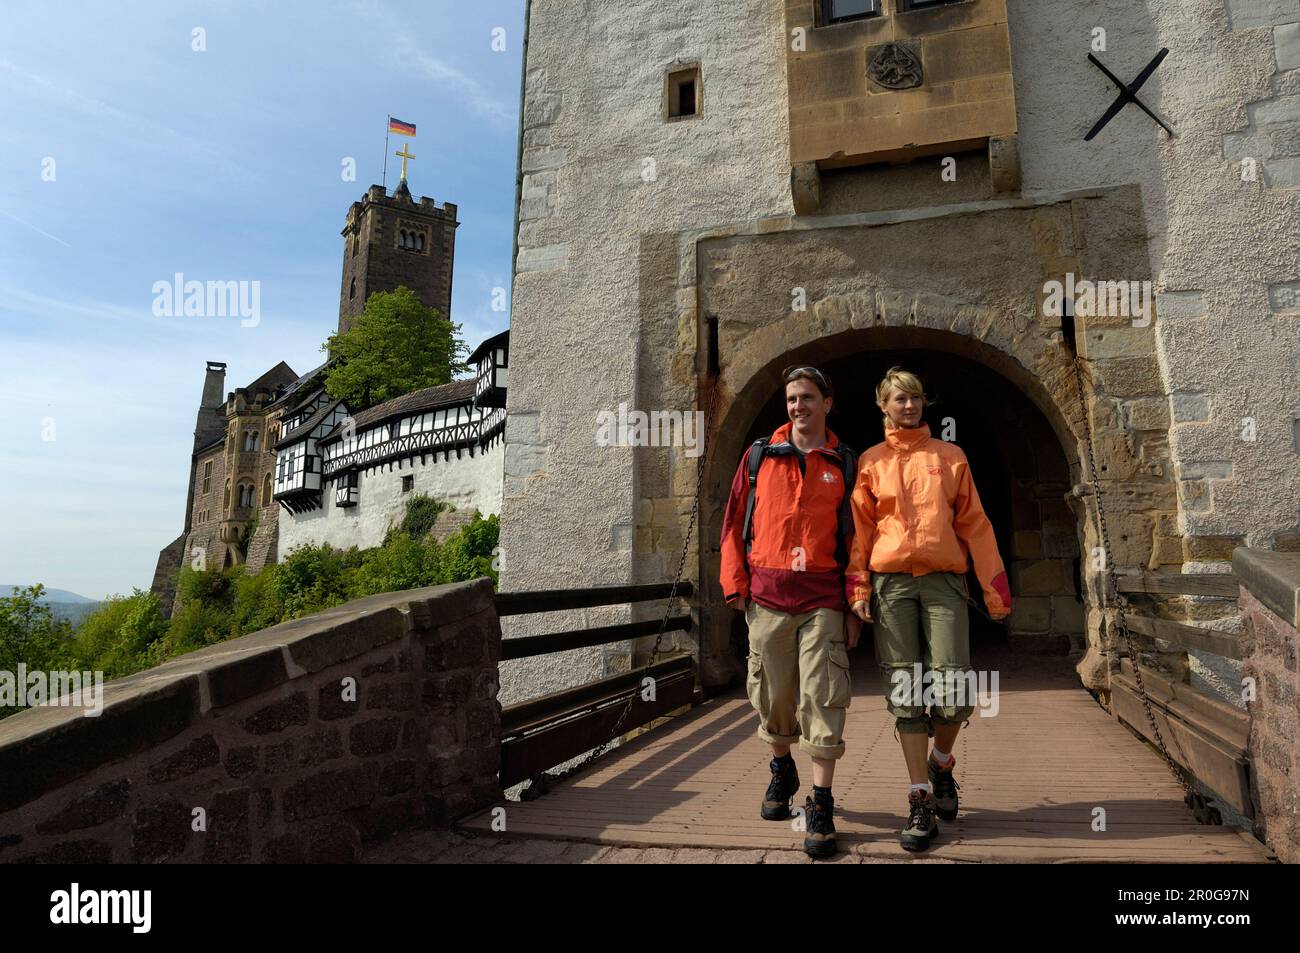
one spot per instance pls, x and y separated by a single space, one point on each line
915 509
792 560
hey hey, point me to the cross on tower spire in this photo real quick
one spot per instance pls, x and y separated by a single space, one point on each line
405 155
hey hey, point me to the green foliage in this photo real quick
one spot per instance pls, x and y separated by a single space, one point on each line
128 633
30 633
119 636
395 346
421 511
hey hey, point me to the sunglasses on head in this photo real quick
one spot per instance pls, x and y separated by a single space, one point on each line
789 373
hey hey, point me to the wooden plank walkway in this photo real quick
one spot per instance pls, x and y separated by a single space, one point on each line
1030 778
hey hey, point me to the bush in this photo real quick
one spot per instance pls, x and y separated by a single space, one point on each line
30 633
421 512
128 633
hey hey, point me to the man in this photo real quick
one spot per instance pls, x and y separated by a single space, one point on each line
785 541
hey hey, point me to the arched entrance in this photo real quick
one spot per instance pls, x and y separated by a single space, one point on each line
1022 451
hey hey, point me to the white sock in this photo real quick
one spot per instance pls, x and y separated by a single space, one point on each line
940 757
922 787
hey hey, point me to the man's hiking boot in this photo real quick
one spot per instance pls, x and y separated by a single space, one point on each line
921 824
945 789
819 829
781 790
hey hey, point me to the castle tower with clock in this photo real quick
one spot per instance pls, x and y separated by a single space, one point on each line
862 183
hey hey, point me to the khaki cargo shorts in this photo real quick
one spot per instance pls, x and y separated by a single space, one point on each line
923 620
799 678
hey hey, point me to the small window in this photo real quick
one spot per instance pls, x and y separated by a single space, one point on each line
207 476
408 484
906 6
682 93
352 290
419 242
842 11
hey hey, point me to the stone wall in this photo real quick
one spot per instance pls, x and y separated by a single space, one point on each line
256 749
618 207
1270 595
466 482
262 548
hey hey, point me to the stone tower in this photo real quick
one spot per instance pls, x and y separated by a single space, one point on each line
396 240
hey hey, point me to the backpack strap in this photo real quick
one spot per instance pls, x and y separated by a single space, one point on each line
757 451
844 522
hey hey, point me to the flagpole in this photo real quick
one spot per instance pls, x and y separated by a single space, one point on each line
387 121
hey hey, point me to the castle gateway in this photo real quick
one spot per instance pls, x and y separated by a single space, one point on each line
943 185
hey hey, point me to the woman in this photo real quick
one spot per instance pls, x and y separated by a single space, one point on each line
917 519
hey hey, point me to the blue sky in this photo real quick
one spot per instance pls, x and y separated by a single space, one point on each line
224 164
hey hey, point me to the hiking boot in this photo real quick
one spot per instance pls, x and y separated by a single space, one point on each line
781 790
819 829
921 824
945 789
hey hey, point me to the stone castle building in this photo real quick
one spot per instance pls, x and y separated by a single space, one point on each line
715 191
279 464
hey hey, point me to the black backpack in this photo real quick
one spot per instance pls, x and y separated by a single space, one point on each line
848 467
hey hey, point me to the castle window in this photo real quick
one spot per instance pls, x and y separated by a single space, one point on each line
906 6
266 490
408 484
352 290
225 500
207 476
419 243
682 93
842 11
356 242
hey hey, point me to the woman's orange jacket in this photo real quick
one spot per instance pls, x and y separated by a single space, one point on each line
915 510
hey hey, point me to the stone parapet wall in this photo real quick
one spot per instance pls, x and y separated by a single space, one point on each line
294 744
1270 591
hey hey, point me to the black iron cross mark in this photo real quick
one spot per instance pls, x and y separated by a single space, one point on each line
1128 94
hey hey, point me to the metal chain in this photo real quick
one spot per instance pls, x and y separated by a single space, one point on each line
1120 599
542 781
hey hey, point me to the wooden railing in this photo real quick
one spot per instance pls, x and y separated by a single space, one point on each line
1205 735
543 732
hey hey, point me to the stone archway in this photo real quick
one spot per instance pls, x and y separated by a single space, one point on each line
967 281
1023 470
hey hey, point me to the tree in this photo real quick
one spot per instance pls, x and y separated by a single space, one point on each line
395 346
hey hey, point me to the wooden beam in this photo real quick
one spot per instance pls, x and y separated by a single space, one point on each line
530 755
552 600
1186 636
534 713
1184 584
531 645
1211 751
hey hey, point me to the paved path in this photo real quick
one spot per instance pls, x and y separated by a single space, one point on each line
1032 777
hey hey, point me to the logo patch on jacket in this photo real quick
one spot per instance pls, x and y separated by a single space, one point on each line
828 476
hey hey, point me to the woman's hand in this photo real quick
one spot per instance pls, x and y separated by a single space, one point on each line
852 629
862 610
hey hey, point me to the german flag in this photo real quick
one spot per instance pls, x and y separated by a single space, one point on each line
401 128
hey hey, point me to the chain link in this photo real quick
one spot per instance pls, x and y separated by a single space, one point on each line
1120 599
539 784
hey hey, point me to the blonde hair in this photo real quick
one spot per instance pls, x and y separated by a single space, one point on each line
905 381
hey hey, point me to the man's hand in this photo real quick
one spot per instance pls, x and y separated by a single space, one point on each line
852 629
862 610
